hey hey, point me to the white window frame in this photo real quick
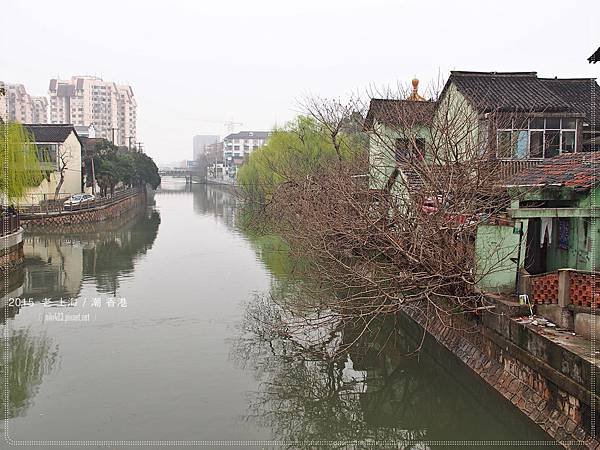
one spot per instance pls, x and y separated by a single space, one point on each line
529 131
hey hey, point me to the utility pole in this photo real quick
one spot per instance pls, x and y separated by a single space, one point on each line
93 177
140 147
113 129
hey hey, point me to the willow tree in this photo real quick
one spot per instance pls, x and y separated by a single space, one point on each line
291 154
19 164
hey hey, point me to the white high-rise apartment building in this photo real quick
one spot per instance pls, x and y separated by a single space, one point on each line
86 100
19 106
39 110
126 116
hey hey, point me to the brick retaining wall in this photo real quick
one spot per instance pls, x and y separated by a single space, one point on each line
11 258
95 215
551 398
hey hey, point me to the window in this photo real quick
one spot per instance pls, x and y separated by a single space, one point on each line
568 141
520 143
47 155
552 143
504 144
537 138
407 148
537 123
513 144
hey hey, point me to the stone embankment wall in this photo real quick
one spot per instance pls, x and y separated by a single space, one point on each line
547 381
94 215
11 251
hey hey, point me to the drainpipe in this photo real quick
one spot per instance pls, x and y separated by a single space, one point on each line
517 273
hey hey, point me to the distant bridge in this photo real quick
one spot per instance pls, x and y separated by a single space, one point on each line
181 173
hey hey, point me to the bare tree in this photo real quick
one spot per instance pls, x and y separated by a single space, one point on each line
337 117
63 158
406 238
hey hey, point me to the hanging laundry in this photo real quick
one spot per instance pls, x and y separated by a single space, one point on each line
563 234
546 227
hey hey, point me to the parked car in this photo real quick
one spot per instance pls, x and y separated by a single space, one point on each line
79 201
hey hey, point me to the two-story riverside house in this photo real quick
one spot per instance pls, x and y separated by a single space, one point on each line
58 146
397 129
514 119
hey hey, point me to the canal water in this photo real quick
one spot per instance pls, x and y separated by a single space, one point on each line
155 327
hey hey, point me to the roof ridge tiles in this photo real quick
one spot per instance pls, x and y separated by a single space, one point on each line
493 74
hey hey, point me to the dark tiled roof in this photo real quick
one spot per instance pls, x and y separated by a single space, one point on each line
577 92
595 57
507 91
525 92
399 113
249 135
575 170
57 133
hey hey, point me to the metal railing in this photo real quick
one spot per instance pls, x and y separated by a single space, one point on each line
10 223
49 205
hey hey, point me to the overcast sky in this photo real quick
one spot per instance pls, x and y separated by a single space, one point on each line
196 64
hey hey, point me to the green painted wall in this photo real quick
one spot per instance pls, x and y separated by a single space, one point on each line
577 255
584 232
382 157
494 246
457 125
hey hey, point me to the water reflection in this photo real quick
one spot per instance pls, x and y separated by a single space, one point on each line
11 286
30 357
217 201
208 199
57 264
159 369
314 386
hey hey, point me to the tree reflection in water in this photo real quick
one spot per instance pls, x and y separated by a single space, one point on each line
309 391
314 386
114 254
215 200
57 263
29 359
55 266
